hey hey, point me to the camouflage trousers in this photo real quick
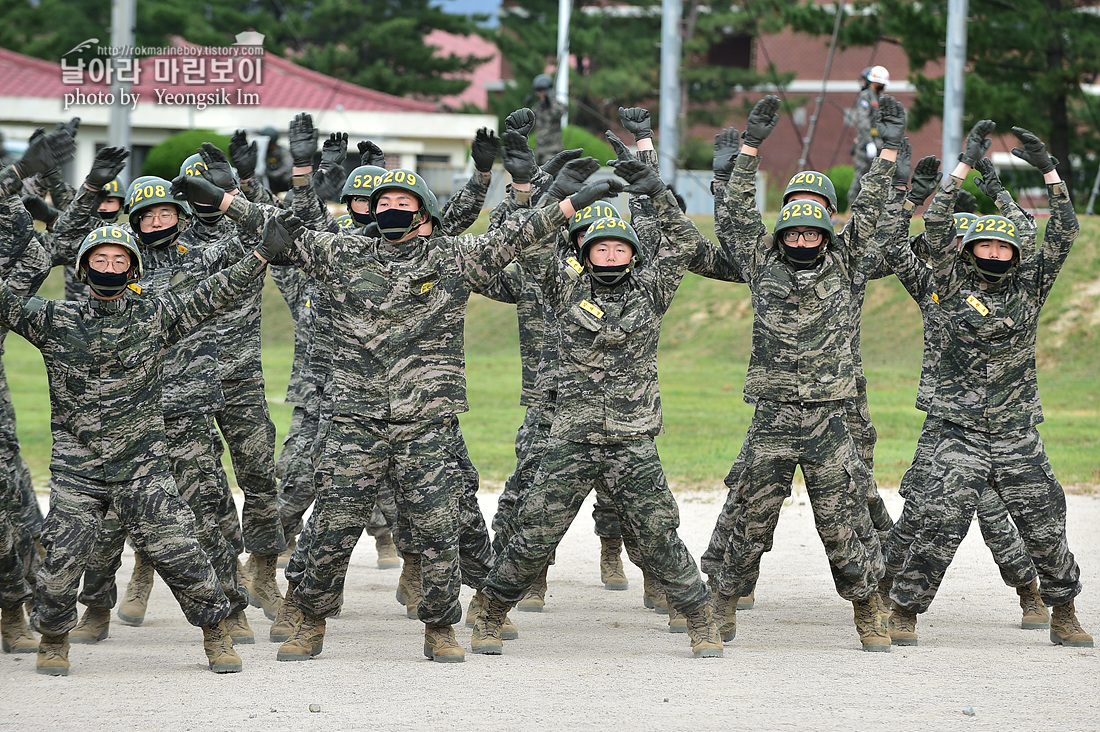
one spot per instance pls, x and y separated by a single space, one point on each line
998 531
250 436
862 164
296 489
192 464
865 436
966 464
781 437
159 523
530 443
228 520
288 451
422 461
631 475
14 588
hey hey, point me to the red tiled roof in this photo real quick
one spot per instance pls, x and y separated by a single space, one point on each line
282 84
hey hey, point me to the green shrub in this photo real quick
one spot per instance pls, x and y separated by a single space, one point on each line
985 205
596 147
164 159
841 176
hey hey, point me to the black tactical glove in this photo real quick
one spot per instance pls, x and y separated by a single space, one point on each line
642 179
965 202
277 234
622 152
572 177
890 122
636 120
904 165
519 159
977 142
553 166
371 154
46 152
218 170
335 149
243 154
762 120
40 210
1034 152
988 181
521 121
108 163
484 149
69 127
593 192
926 176
197 189
302 138
727 145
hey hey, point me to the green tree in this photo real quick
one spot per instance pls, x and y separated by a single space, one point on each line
1026 63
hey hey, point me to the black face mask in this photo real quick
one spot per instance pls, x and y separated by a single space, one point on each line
107 284
363 219
611 275
992 270
109 216
395 223
160 238
801 258
208 214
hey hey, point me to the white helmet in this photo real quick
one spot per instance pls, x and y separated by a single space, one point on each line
879 75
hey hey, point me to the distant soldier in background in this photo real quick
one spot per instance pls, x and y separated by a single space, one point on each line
548 114
867 142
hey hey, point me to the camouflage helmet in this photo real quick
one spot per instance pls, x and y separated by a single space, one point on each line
193 166
115 189
361 182
586 216
804 213
811 181
108 235
963 222
542 82
611 227
149 191
997 228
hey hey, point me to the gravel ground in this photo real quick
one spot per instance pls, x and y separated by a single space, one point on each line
595 658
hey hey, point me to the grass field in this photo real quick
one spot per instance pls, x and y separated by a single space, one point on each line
703 356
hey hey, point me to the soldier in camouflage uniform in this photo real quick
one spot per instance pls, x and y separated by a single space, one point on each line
99 458
868 140
607 413
548 113
800 374
397 385
987 396
175 260
907 258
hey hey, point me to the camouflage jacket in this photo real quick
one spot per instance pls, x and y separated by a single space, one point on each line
398 311
987 379
801 336
607 339
904 257
103 360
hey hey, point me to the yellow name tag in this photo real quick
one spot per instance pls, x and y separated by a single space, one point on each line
309 302
425 287
977 305
572 262
585 305
181 249
135 288
935 298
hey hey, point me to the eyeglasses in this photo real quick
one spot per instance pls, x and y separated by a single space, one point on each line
791 236
118 260
165 217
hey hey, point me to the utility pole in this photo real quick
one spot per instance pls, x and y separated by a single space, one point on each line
565 8
954 87
123 14
671 12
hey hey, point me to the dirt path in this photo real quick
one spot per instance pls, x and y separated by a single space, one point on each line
596 659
